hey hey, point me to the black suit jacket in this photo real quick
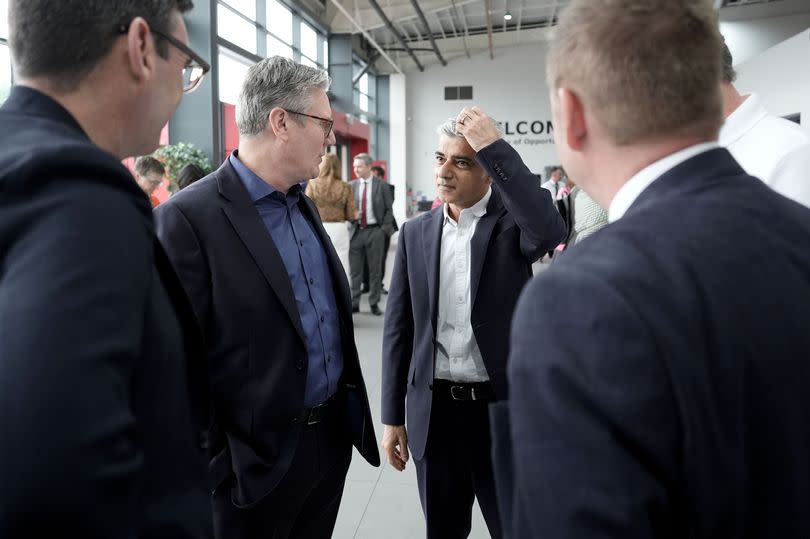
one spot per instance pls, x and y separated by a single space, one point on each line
103 398
520 225
257 356
660 373
382 199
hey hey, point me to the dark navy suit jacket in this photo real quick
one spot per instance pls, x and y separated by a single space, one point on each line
257 354
103 394
520 225
659 370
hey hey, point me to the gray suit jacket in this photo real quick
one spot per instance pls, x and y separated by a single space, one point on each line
381 203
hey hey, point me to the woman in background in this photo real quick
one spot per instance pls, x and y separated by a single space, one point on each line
335 203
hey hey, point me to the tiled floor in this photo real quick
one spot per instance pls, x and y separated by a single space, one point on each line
381 502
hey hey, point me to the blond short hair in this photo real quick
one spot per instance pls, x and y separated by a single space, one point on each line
647 69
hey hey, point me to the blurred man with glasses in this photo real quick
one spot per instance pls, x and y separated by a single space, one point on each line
272 296
103 397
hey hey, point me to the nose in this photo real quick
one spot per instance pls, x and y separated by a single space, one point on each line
443 170
331 140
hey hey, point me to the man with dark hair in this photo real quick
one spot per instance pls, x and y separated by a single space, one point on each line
272 295
188 175
379 173
658 379
103 395
773 149
149 174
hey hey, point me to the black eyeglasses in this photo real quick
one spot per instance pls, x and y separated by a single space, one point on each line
326 123
195 69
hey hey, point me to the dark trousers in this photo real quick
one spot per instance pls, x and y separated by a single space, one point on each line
305 503
456 469
382 266
366 245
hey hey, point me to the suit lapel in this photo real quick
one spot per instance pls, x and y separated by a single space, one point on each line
480 242
244 218
432 241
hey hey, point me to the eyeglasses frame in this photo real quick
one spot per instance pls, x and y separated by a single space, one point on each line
329 122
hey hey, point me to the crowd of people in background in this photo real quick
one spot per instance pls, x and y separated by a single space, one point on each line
191 370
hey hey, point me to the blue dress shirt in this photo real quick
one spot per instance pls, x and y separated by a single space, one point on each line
305 260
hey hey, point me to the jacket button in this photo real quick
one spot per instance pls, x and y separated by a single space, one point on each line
294 420
430 387
299 365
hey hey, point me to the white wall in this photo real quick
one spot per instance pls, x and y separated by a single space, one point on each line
511 88
748 39
398 164
781 77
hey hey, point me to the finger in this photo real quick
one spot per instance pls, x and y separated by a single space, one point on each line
403 447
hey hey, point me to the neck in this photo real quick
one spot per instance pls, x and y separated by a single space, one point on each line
258 154
618 164
95 109
731 98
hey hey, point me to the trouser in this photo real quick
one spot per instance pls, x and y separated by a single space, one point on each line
457 468
366 245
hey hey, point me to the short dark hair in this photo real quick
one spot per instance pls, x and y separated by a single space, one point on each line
65 40
146 164
729 73
378 171
188 175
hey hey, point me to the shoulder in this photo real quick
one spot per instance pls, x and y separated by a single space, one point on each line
198 195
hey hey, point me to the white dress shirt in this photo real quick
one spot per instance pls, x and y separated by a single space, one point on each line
370 218
457 356
775 150
630 191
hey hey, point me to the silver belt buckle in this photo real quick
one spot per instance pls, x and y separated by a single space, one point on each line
460 395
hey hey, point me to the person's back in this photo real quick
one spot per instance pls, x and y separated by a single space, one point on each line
732 431
103 405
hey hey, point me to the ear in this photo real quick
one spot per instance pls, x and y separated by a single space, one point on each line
278 122
141 53
572 117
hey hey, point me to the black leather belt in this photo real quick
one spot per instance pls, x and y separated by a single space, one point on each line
460 391
316 414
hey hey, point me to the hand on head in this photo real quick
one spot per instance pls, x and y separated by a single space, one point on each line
477 127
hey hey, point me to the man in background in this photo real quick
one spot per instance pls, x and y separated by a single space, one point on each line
654 369
379 173
149 173
775 150
374 201
103 390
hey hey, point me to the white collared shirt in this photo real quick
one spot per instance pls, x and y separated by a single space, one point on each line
370 218
630 191
457 355
775 150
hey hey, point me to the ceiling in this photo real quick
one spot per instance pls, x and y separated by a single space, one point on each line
459 28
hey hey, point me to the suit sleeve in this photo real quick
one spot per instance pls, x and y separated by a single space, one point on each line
183 248
541 226
73 292
397 338
594 422
388 208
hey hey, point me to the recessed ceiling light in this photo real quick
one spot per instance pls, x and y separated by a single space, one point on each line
507 16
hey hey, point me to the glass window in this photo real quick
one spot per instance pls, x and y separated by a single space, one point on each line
277 48
325 52
236 29
232 72
245 7
4 19
309 41
280 21
364 102
364 84
5 72
307 62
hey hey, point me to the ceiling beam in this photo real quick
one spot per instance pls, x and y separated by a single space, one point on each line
422 18
367 35
487 6
394 31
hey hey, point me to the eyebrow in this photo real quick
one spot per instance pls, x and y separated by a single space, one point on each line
457 157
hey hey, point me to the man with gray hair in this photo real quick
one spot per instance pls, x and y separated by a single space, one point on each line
773 149
103 400
658 379
271 295
458 272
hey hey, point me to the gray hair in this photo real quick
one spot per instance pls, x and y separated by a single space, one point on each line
364 157
448 128
276 82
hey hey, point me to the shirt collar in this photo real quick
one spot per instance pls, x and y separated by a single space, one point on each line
256 187
478 210
742 120
630 191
